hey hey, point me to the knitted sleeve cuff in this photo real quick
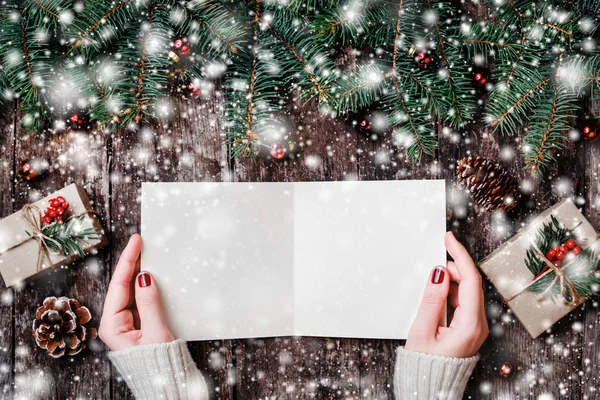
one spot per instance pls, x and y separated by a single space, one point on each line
420 376
160 371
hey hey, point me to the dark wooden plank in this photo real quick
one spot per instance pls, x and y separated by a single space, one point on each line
590 368
293 368
186 145
75 157
7 165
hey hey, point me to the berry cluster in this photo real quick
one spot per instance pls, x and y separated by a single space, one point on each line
480 78
589 133
56 210
565 252
423 59
183 49
365 126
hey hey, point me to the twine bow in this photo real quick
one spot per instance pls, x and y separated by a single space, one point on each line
559 278
32 215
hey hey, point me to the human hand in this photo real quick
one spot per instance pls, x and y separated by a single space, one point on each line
132 319
468 328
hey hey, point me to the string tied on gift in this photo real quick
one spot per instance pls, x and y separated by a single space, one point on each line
32 215
560 277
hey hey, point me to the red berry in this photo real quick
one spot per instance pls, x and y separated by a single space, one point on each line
586 130
74 118
185 50
60 199
52 213
560 255
178 43
563 248
427 60
478 77
60 211
483 81
53 203
557 263
570 244
59 218
576 250
421 55
64 205
592 134
556 248
551 255
47 219
47 210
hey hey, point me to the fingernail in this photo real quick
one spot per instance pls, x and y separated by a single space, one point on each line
438 275
144 279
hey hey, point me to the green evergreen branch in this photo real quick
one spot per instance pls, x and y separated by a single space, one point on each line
70 235
507 109
550 124
582 271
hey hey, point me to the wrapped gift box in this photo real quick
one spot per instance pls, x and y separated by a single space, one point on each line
506 268
21 256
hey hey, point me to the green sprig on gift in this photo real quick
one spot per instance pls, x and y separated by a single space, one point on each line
582 270
67 236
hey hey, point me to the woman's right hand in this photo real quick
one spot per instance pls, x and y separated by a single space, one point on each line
468 329
132 313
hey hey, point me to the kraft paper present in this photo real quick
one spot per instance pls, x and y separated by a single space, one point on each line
506 269
19 252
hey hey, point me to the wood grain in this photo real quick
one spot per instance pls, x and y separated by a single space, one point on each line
7 178
184 146
76 157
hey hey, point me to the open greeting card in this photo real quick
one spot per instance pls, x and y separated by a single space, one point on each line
340 259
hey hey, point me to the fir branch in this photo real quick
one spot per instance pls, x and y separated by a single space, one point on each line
70 235
502 117
517 58
45 9
538 21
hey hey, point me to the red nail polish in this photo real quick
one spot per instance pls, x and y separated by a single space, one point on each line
438 275
144 280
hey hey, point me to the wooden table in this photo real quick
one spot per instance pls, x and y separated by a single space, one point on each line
188 147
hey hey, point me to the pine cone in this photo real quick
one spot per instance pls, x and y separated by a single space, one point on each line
489 184
59 326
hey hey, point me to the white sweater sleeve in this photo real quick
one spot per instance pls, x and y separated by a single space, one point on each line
160 371
420 376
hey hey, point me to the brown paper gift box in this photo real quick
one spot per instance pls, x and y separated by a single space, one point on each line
506 269
20 263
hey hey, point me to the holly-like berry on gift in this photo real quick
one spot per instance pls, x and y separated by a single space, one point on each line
277 151
56 210
576 250
551 255
570 244
32 169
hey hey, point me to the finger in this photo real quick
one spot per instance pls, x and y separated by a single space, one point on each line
433 304
470 293
453 295
453 271
463 261
119 296
152 321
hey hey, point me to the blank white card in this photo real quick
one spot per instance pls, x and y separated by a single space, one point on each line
338 259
